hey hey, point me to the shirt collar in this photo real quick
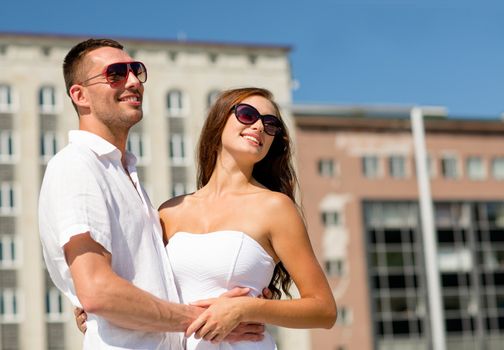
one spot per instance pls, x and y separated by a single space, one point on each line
99 145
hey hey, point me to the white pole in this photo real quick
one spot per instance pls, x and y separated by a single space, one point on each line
436 311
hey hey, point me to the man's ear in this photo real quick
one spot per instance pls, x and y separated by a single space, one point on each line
78 96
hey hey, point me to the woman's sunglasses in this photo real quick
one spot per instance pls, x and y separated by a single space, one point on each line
116 73
248 115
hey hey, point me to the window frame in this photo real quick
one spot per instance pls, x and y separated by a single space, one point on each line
180 107
55 310
456 167
10 251
482 175
373 172
9 194
49 100
8 139
11 305
395 162
500 160
326 167
8 99
138 144
51 139
178 146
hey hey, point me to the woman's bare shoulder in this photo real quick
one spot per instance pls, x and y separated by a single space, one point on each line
169 211
175 202
276 200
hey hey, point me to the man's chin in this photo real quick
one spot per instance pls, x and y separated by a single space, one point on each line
135 117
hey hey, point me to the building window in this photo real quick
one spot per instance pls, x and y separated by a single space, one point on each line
475 168
326 167
7 146
498 168
9 251
179 189
335 267
370 166
212 97
397 166
138 147
54 305
454 259
176 103
48 145
449 167
331 218
178 152
344 316
7 198
48 101
392 233
6 99
9 305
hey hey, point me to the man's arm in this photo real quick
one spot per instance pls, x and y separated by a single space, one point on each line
102 292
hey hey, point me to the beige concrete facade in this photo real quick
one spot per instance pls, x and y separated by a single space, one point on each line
35 116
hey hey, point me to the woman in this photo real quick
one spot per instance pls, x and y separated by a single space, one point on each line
242 228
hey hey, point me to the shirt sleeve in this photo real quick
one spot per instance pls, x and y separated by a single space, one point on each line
78 201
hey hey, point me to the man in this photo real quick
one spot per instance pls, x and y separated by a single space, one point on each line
101 237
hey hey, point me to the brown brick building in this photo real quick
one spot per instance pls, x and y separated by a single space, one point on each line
360 196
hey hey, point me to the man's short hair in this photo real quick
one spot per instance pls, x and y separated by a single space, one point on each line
72 64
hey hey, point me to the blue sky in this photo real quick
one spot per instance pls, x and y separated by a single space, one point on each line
373 52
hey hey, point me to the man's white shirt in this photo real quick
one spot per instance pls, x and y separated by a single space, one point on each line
86 189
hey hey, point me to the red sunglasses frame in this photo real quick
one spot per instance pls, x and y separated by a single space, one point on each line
115 82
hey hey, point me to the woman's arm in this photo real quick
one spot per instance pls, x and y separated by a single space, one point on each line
315 308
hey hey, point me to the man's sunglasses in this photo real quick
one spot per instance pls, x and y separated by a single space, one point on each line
117 73
248 115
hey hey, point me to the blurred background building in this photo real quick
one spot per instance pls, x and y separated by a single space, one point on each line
359 192
359 187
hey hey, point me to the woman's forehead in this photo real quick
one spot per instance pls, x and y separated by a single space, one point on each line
262 104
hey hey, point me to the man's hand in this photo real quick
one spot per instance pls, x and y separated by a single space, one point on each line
246 331
223 314
80 319
266 294
216 324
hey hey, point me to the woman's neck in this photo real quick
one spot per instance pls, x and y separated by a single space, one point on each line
230 177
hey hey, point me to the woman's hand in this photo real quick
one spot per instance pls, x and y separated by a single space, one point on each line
223 314
244 331
80 319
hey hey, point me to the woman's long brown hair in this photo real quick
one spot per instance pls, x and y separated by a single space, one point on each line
274 171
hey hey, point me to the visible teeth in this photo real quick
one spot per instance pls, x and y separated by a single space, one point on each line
132 98
251 138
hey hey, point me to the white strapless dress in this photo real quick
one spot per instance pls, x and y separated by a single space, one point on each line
207 265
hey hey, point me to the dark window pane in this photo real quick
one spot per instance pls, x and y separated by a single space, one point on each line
393 236
499 278
397 282
454 325
400 327
381 328
496 236
376 282
501 322
446 236
395 259
449 280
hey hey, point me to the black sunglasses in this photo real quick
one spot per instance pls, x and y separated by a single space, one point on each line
248 115
117 73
